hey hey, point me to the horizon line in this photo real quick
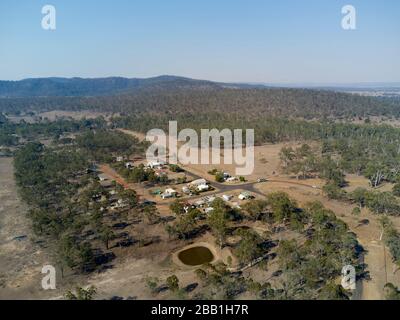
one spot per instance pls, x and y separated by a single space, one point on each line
266 84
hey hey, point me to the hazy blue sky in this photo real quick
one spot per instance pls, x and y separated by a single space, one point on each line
223 40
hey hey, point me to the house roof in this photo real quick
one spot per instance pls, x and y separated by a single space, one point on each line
198 182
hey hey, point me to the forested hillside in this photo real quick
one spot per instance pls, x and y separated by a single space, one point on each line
75 87
171 96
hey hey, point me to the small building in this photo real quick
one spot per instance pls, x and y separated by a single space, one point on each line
103 177
169 193
166 196
198 182
226 197
244 196
208 210
203 187
232 179
156 164
120 158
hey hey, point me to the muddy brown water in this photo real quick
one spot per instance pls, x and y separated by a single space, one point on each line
196 256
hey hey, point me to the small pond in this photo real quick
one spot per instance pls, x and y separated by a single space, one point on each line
196 256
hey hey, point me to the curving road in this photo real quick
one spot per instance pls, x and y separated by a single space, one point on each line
249 186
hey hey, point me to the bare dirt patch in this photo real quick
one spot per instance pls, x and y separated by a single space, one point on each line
76 115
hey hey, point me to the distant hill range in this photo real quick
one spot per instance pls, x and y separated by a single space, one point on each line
91 87
81 87
171 96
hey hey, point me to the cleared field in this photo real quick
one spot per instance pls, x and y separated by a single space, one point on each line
77 115
59 114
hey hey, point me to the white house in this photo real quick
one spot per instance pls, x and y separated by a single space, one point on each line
232 179
198 182
120 159
156 164
103 177
226 197
169 193
203 187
